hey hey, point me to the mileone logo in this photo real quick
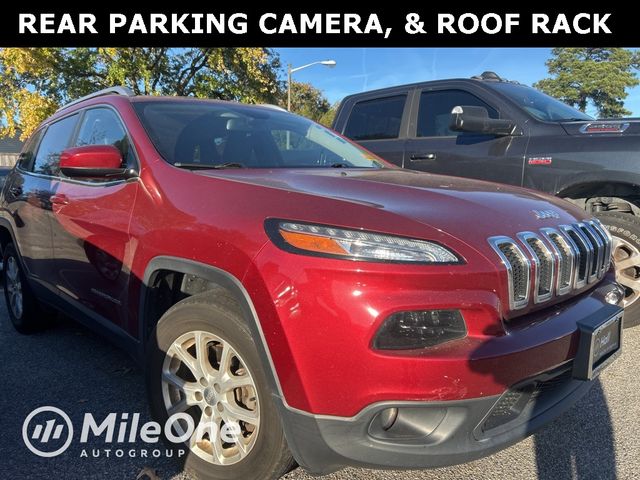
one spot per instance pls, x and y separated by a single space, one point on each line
48 432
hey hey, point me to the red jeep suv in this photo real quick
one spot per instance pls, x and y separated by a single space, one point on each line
277 279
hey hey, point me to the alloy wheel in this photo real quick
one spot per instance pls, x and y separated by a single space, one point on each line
627 266
14 287
204 376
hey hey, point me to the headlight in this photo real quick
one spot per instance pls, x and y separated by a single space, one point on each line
326 241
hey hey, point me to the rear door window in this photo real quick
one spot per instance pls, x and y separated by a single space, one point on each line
376 119
55 140
434 115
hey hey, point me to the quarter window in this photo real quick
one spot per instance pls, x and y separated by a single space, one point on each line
55 140
434 115
376 119
25 160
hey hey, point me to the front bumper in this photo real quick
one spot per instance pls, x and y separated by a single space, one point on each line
438 433
431 434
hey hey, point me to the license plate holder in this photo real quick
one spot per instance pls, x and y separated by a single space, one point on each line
600 343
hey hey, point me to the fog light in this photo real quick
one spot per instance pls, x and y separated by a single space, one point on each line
615 295
420 329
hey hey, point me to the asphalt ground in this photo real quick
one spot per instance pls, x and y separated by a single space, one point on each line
69 367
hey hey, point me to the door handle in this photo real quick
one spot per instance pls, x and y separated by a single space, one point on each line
421 157
59 199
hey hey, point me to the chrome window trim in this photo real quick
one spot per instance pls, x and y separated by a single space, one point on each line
500 240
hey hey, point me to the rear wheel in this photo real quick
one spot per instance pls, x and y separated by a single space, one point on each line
24 311
203 362
625 231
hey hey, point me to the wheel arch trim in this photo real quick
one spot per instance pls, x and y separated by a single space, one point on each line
602 179
226 280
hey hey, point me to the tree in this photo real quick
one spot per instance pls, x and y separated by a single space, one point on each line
597 75
308 101
36 81
327 118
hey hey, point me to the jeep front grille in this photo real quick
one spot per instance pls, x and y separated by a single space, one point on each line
554 261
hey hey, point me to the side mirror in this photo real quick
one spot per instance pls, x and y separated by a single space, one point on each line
476 120
92 161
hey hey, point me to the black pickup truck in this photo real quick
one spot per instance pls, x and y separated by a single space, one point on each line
488 128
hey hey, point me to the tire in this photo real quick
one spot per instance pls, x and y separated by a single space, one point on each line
625 230
215 324
24 311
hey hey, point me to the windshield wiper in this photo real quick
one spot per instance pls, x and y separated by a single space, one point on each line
204 166
228 165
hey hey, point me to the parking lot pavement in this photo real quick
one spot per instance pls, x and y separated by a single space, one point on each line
69 367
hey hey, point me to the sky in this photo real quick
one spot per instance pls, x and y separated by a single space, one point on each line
361 69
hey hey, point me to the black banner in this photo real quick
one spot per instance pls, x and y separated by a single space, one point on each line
395 25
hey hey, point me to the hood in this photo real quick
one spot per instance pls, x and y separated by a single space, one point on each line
456 206
606 126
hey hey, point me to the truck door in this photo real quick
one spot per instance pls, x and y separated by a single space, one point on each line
377 124
433 147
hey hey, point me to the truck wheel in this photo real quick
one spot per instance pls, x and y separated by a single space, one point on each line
22 305
203 362
625 230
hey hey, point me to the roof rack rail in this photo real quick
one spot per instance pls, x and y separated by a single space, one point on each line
126 91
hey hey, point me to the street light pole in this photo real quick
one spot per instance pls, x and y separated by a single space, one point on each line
291 70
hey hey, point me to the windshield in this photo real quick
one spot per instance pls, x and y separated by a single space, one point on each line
198 134
539 105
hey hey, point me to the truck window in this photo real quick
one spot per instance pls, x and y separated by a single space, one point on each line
376 119
55 140
434 114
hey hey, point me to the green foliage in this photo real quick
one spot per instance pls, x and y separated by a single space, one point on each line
597 75
35 81
327 117
308 101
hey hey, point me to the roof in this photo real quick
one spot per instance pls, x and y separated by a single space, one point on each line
10 145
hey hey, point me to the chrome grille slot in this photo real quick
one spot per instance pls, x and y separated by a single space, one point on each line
544 260
606 241
583 258
554 261
566 258
597 245
518 270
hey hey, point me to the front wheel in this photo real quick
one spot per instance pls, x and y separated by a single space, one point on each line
203 362
625 232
